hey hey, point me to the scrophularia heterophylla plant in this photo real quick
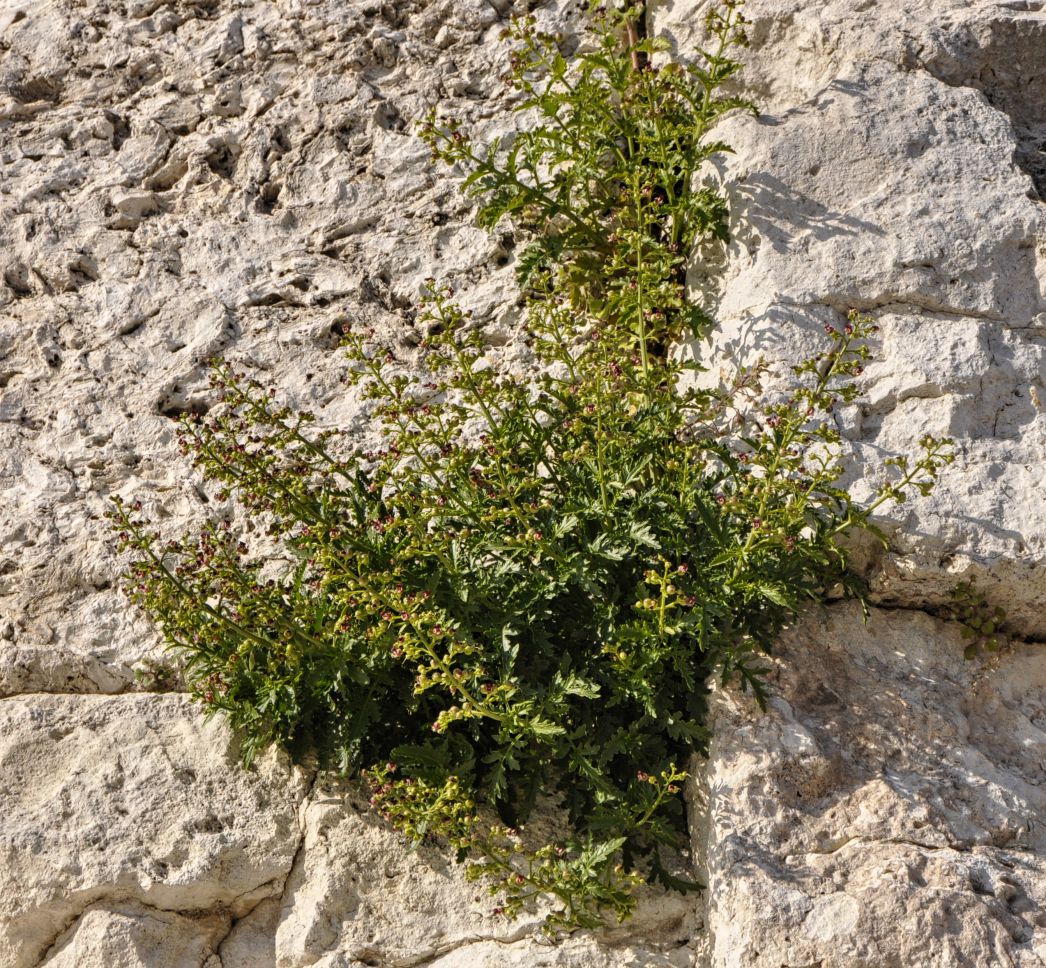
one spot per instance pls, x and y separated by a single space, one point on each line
518 596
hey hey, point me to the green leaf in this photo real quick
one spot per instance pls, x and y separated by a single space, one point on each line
574 685
776 594
437 760
544 729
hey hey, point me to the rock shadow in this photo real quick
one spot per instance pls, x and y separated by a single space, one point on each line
1005 59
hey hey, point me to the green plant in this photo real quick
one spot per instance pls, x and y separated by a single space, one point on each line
158 675
981 623
605 181
519 595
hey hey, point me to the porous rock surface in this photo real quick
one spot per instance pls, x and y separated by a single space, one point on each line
887 809
899 168
196 177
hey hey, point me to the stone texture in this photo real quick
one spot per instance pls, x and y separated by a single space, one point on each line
188 178
132 799
892 172
133 936
887 810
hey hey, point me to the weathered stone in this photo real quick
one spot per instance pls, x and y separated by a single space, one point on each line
131 935
887 809
897 189
131 799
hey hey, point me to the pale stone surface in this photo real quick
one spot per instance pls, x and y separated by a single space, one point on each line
891 172
357 896
132 936
887 809
183 179
252 941
132 799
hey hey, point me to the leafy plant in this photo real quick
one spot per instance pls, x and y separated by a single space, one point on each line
520 594
981 623
605 182
156 675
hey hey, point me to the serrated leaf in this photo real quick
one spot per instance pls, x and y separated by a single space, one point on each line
545 729
775 594
574 685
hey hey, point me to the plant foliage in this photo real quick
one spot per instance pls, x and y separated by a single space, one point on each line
981 624
520 594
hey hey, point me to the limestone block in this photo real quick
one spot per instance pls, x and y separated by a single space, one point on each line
903 194
888 807
131 935
113 799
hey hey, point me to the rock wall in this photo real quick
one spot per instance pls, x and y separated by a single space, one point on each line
192 177
887 810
